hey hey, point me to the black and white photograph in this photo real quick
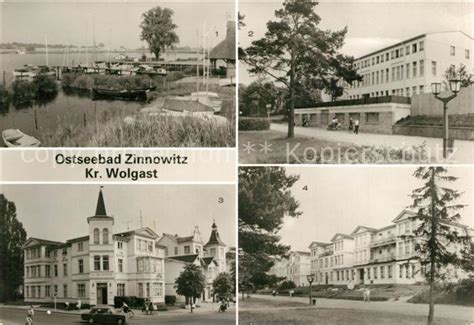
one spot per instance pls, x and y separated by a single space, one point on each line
356 245
118 254
80 73
366 82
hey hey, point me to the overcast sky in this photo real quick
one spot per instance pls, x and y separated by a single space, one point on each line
67 21
340 198
59 212
371 25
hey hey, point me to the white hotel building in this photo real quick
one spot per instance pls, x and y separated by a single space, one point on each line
373 256
409 67
97 267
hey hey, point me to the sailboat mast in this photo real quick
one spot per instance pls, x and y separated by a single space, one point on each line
46 43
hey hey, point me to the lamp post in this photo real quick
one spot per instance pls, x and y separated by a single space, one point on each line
454 86
310 278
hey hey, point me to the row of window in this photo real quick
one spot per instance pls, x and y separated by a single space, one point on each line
146 265
452 52
36 291
144 289
105 236
406 271
391 55
34 271
403 92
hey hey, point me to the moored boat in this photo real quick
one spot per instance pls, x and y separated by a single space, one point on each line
127 94
15 138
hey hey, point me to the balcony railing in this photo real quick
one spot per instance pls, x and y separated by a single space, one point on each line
384 258
383 241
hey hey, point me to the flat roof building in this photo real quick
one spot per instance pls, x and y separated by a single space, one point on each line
409 67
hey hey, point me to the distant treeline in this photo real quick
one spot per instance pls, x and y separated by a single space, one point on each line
33 46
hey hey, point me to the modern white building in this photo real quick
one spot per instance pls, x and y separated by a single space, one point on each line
374 256
409 67
97 267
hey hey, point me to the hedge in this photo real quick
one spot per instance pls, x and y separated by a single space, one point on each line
253 124
170 300
131 301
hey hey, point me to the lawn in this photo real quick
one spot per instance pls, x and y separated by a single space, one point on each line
272 312
273 147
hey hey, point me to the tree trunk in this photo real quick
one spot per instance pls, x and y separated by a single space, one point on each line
291 113
192 302
432 249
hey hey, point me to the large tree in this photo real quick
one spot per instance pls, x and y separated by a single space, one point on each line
297 54
254 98
190 283
438 243
223 285
158 30
12 238
265 199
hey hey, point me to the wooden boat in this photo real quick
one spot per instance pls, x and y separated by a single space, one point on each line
15 138
132 94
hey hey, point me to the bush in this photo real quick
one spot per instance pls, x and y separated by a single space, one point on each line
454 294
161 307
253 124
131 301
4 97
286 285
170 300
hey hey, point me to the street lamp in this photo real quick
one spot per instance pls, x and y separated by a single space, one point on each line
454 86
310 278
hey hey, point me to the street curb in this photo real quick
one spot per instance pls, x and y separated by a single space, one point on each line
42 310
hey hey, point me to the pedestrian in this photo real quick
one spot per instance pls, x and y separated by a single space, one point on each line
274 293
351 124
31 311
356 126
367 294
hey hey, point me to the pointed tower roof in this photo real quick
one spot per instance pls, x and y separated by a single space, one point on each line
215 239
100 209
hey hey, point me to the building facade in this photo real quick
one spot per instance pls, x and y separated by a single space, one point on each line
374 256
409 67
211 257
295 267
97 267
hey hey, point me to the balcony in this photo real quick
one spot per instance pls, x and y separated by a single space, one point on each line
326 253
391 239
383 258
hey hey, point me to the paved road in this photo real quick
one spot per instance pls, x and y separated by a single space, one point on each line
443 311
17 317
464 152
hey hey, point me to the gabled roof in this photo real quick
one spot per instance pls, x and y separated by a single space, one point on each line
402 214
33 241
225 49
209 260
387 227
78 239
345 236
180 240
145 232
318 243
369 229
184 258
301 253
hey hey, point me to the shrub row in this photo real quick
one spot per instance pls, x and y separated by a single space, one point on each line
253 124
111 82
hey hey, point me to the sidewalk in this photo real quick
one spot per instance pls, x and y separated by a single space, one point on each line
446 311
464 150
203 309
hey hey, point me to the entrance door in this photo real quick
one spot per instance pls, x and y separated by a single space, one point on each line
102 293
324 117
361 275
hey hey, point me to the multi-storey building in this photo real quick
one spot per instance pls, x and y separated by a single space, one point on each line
294 267
211 257
96 267
374 256
298 267
409 67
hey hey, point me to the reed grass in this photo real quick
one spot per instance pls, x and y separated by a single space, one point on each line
121 129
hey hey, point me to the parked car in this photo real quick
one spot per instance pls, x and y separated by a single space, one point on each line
104 315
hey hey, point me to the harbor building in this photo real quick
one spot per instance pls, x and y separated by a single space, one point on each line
395 77
375 256
97 267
